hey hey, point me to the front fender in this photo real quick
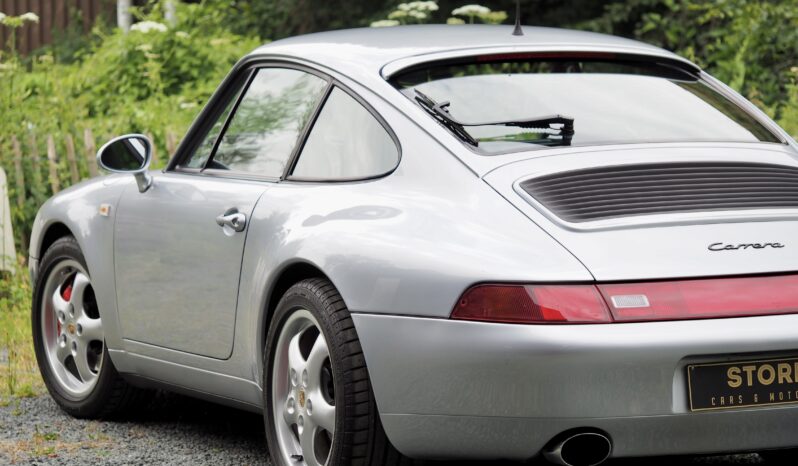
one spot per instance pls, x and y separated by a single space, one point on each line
77 209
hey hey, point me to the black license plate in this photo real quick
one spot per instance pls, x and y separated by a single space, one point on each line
731 385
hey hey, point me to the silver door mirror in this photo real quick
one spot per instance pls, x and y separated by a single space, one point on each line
128 154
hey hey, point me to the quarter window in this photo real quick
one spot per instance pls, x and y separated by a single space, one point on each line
268 122
346 142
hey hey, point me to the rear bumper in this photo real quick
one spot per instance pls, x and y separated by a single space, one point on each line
479 390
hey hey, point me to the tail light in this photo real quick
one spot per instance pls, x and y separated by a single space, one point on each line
532 304
703 299
630 302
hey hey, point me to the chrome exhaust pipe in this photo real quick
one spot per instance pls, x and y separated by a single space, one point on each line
579 449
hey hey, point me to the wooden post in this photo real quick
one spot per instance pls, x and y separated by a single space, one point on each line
73 163
91 151
123 17
154 162
51 156
34 157
18 173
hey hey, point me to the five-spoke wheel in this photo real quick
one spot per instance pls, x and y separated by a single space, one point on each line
320 409
303 391
71 327
69 337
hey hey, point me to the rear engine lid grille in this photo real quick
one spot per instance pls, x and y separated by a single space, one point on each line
648 189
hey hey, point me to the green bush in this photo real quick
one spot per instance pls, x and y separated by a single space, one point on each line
151 80
752 46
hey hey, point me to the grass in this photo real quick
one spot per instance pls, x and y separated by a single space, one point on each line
48 444
19 375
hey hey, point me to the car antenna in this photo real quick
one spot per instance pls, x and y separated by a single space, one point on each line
518 30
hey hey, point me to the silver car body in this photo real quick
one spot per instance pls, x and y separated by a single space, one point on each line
186 306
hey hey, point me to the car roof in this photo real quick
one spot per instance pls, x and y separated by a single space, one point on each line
390 49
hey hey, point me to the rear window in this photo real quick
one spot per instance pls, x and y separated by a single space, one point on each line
532 103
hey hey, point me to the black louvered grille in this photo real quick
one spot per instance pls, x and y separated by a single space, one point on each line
624 191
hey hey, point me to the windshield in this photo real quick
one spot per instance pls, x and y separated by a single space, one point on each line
609 101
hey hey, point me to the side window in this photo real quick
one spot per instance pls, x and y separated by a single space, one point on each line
346 142
204 150
268 122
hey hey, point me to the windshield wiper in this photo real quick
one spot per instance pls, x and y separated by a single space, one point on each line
441 113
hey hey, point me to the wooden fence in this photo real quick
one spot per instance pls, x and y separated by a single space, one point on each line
55 16
39 166
79 153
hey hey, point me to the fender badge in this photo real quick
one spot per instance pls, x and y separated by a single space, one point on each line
734 247
105 210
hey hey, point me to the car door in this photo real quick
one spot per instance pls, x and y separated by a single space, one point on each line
178 246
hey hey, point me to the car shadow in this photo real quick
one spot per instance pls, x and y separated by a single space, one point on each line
210 423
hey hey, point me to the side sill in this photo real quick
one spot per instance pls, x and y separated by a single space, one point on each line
153 384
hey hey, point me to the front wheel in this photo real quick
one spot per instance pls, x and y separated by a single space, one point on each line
68 337
319 406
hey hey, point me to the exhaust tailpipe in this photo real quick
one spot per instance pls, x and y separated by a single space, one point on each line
579 449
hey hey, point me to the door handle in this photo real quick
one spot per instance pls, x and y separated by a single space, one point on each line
234 219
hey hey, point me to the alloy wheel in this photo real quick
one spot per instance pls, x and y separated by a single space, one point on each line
71 329
303 393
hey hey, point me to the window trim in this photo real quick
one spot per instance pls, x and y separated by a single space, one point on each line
246 70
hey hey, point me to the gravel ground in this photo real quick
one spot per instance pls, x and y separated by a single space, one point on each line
173 430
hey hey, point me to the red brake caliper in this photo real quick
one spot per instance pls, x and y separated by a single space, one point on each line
66 293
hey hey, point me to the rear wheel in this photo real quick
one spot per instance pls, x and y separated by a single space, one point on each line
319 406
69 340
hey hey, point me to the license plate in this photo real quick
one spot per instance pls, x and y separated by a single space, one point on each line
731 385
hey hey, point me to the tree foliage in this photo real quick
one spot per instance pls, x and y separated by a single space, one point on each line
752 46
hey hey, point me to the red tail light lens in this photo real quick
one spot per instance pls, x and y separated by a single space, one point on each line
702 299
532 304
631 302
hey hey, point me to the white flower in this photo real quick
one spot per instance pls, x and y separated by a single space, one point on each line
471 10
147 26
423 6
385 23
29 16
182 34
417 14
455 21
2 17
429 6
399 14
418 6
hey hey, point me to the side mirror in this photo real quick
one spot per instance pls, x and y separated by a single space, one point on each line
132 154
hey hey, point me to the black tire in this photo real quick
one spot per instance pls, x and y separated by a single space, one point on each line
360 439
111 395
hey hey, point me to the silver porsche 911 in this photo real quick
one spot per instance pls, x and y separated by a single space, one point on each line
443 242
